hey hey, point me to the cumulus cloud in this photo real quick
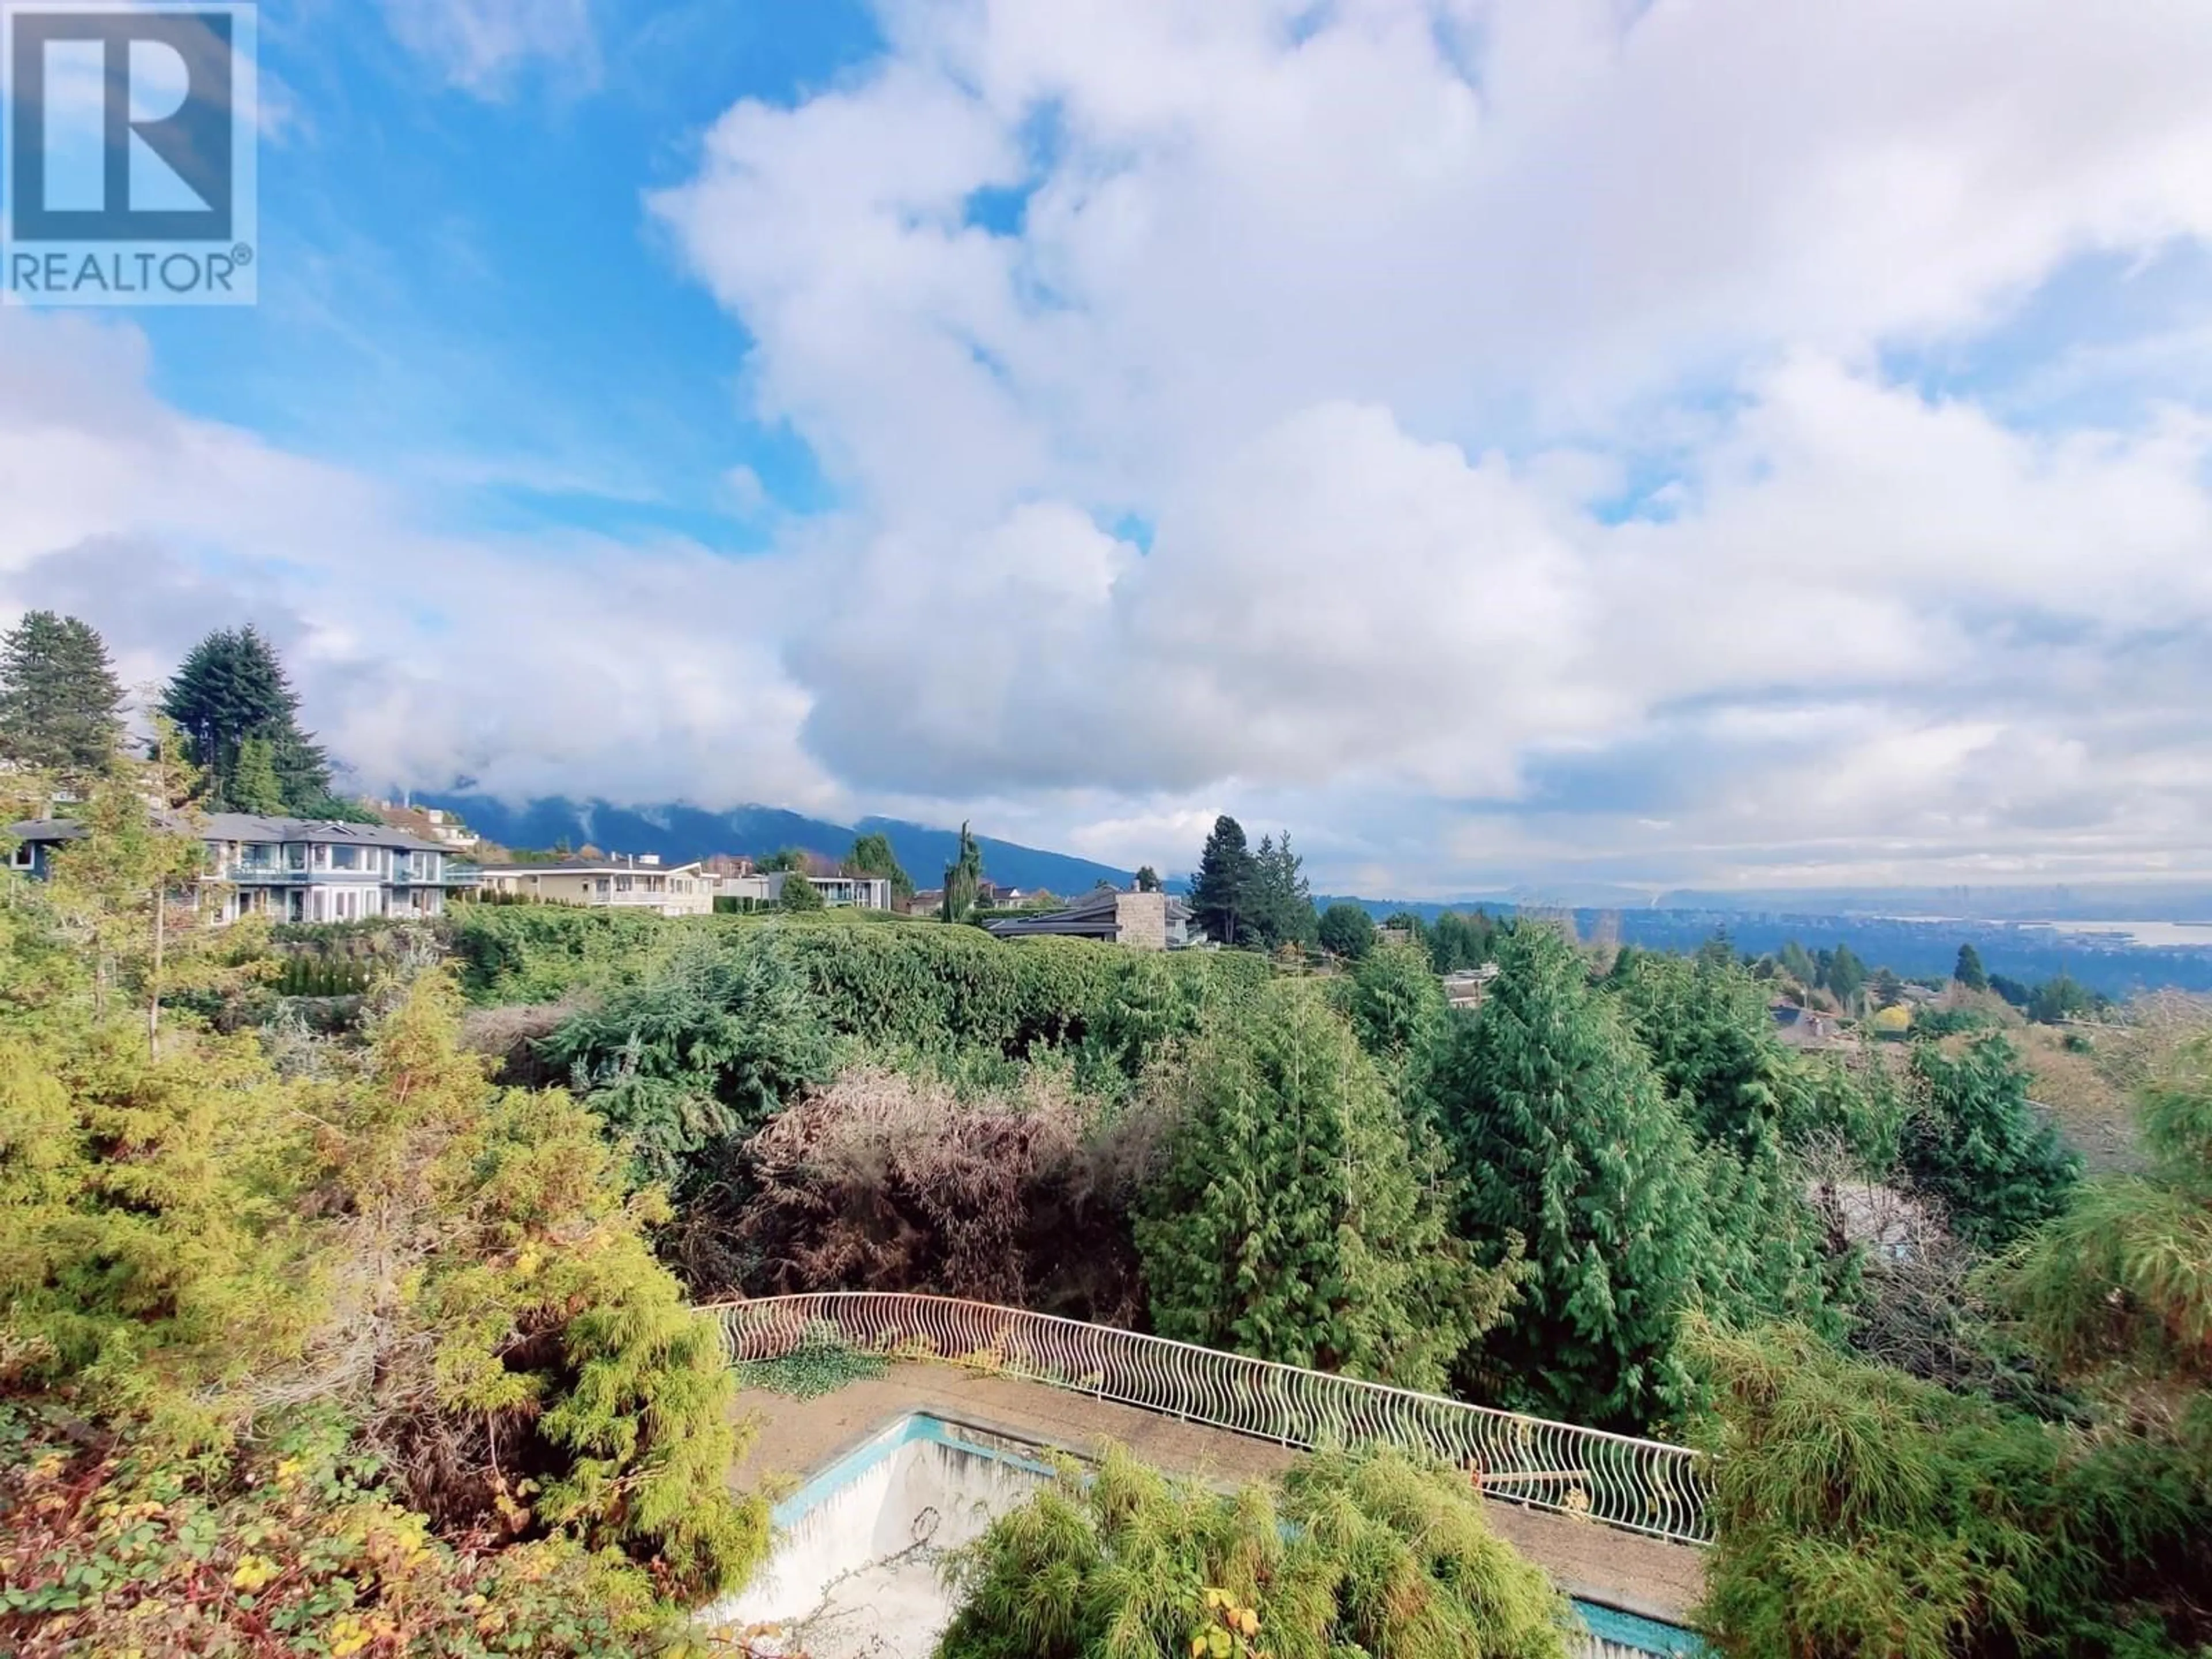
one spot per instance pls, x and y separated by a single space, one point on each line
579 664
1480 434
1499 387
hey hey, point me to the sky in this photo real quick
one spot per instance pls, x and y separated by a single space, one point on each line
1753 443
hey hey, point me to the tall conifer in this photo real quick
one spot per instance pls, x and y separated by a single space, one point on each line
61 708
1300 1219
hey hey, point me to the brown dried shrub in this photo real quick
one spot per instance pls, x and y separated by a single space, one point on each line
510 1036
885 1182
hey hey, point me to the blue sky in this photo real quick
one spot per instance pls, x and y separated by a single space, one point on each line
462 285
1505 441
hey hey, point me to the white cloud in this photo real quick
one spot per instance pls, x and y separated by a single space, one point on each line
1467 431
641 670
482 46
1370 313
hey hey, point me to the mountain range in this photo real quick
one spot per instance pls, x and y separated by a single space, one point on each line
679 833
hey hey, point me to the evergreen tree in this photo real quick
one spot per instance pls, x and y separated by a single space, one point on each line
799 895
871 855
1148 880
231 690
1221 898
1281 900
1977 1144
1395 1004
1298 1218
1346 930
1843 974
1457 941
254 786
1969 971
1704 1025
963 880
1566 1140
61 708
1798 964
2062 997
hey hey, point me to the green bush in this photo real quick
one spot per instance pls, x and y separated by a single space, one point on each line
1359 1553
1976 1143
704 1047
1300 1218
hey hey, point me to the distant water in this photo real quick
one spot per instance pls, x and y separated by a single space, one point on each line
2151 935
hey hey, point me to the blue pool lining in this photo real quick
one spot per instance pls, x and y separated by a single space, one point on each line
912 1427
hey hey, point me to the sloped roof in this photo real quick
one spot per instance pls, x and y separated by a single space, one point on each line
245 826
1094 913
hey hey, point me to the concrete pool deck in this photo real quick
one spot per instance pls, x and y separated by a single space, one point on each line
1649 1576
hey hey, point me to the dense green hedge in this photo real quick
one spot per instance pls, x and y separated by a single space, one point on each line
535 952
891 984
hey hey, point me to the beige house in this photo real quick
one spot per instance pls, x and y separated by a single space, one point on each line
638 883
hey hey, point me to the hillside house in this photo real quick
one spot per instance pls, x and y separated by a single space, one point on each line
290 869
638 882
755 889
1145 921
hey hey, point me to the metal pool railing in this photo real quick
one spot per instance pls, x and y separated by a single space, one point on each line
1642 1486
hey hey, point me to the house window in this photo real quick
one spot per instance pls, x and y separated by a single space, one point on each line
24 856
345 858
296 856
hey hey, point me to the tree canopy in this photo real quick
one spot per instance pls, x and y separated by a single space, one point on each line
1297 1218
871 855
240 720
1346 930
1279 899
1975 1143
61 707
964 880
1221 895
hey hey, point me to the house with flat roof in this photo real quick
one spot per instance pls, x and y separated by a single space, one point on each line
288 869
637 881
1147 922
762 890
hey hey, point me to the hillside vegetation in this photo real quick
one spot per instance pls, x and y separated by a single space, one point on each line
368 1333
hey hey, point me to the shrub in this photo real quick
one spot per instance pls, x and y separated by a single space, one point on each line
1359 1553
296 1545
890 1182
1975 1145
704 1047
1299 1217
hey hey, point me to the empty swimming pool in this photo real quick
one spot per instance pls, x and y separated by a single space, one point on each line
854 1570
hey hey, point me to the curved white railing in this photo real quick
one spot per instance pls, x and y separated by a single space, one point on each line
1642 1486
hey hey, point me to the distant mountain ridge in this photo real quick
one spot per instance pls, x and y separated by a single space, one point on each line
679 833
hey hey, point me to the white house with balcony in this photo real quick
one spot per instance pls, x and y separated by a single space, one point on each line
755 889
291 869
639 882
